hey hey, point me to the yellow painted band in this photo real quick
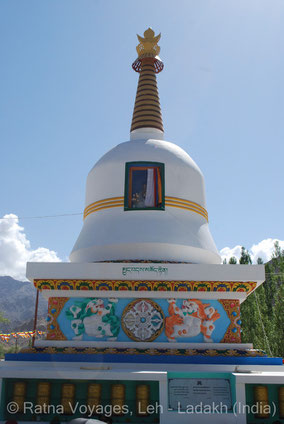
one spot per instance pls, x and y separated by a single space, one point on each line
113 202
101 203
175 205
187 203
103 207
98 202
183 200
104 204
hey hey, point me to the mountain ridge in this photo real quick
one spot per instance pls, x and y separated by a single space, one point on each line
17 303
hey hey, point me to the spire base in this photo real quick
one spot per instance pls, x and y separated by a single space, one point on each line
146 134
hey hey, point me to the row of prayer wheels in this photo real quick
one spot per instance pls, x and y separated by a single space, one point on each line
261 399
118 397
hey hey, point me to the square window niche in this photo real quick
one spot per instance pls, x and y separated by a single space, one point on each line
144 186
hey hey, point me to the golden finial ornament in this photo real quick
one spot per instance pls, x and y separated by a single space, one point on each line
148 48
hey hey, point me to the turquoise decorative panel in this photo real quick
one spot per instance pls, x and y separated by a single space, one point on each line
143 320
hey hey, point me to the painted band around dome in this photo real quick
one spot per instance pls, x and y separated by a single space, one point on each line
113 202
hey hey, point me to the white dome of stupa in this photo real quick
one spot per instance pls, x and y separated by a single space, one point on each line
145 198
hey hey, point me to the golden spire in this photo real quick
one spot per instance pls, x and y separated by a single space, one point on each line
147 111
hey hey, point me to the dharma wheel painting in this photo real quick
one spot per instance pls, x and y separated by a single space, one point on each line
143 320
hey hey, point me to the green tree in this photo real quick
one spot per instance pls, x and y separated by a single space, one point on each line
278 252
254 313
274 291
245 258
278 339
233 260
262 312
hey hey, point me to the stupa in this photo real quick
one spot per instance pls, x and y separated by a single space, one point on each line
144 322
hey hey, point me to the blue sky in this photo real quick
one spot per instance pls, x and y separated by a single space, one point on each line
67 95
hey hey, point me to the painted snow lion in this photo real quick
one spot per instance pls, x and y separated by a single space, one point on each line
92 317
193 318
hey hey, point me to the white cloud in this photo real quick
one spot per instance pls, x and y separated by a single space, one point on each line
15 249
263 250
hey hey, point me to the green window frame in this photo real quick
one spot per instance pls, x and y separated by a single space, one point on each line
136 180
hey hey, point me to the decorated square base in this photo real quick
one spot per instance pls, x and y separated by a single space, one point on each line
96 305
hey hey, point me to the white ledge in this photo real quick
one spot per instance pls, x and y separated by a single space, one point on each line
142 345
118 271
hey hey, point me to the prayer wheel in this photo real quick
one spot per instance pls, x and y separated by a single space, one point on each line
43 393
142 399
262 401
94 394
118 398
281 401
19 395
67 397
